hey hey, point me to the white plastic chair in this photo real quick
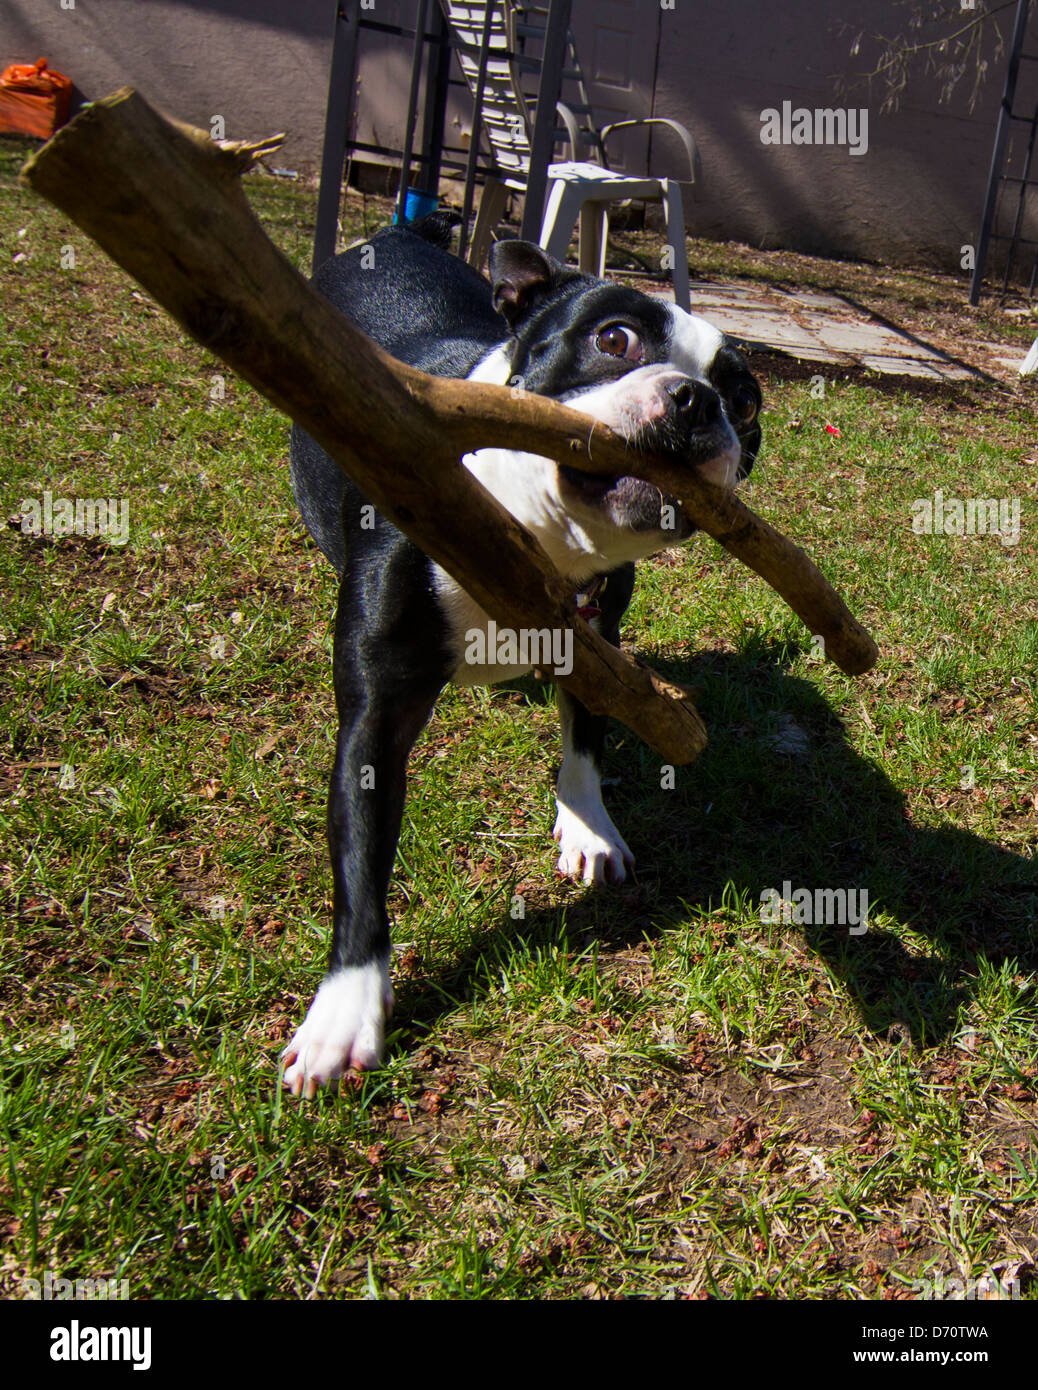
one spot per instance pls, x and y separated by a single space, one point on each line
579 192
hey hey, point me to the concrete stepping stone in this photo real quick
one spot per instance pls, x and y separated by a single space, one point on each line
826 328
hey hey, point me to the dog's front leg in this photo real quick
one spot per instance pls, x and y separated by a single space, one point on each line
590 846
385 692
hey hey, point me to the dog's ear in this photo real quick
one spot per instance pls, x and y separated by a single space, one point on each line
521 274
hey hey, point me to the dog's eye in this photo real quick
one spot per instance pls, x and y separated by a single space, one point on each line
618 341
744 405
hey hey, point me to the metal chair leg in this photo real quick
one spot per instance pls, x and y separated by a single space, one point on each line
675 220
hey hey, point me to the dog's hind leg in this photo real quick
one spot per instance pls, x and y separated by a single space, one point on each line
590 846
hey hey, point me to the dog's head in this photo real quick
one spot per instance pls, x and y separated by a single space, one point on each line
669 382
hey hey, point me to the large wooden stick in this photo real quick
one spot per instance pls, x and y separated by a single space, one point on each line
166 203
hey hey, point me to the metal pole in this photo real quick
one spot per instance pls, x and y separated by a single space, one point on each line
998 152
336 127
543 142
435 112
1021 203
412 107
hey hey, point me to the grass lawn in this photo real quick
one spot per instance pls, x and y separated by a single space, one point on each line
649 1091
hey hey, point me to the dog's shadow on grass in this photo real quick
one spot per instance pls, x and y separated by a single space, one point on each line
780 797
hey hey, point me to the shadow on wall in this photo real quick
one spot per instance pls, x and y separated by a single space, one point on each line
917 193
825 201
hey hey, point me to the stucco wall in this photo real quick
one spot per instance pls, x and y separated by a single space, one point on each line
262 64
916 193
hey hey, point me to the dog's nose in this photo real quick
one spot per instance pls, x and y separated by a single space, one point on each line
698 405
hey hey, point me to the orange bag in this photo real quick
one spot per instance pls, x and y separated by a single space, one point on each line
33 100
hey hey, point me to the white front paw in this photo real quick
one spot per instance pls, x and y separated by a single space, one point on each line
343 1028
591 847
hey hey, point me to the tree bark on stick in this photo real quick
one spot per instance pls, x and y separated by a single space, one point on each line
166 203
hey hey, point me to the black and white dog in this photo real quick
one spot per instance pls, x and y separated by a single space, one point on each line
664 379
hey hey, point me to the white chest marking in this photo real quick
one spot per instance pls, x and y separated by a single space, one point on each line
528 487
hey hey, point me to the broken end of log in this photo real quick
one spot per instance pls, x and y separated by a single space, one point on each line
859 655
681 703
246 154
